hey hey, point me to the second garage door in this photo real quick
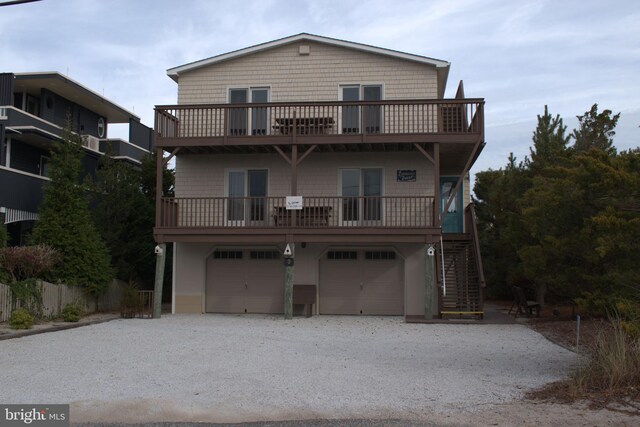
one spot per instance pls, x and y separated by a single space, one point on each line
361 282
245 281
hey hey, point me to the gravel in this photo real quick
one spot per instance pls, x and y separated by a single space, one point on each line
226 368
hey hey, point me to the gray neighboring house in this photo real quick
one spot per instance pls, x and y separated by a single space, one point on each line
33 113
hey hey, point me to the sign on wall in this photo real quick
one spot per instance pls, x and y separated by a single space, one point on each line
294 203
406 175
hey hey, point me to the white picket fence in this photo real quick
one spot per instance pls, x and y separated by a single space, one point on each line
55 297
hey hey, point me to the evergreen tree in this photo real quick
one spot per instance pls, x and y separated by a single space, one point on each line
500 227
549 141
65 220
124 216
595 130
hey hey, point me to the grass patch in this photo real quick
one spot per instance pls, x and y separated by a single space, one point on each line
610 375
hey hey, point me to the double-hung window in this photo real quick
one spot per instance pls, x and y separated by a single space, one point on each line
353 117
248 120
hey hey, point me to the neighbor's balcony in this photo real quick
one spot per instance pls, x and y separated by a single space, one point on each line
251 213
423 120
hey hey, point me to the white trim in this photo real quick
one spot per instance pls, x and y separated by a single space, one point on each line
175 71
131 159
17 215
8 159
24 173
126 142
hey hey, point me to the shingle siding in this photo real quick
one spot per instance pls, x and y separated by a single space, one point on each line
204 175
314 77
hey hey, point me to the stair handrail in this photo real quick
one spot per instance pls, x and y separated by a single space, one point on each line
473 230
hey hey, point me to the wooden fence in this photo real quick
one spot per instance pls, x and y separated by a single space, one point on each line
55 297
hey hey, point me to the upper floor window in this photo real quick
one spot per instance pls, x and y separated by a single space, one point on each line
370 117
244 120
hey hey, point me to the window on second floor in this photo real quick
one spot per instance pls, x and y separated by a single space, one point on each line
249 121
370 116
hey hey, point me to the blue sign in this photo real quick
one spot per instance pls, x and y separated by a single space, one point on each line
406 175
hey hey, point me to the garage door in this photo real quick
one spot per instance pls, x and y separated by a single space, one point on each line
245 281
361 282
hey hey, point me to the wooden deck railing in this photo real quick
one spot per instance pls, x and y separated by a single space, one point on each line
317 212
448 116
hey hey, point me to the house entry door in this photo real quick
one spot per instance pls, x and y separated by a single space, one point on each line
452 219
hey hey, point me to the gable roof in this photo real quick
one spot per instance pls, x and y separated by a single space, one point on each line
442 66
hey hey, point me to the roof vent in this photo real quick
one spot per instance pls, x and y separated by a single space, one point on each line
304 49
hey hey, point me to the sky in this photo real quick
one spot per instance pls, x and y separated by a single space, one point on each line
518 55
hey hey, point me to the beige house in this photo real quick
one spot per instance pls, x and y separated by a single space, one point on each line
345 152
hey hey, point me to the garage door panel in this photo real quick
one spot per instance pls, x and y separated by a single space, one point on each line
245 284
383 289
362 286
265 286
339 286
225 286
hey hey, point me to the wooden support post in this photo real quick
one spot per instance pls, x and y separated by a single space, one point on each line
289 269
161 255
436 185
430 287
294 180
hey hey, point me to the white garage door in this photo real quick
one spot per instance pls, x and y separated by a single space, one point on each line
361 282
245 281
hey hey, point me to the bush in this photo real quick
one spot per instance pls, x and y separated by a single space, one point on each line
20 319
130 301
72 312
28 262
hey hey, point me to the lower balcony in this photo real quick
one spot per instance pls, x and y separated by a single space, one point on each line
316 218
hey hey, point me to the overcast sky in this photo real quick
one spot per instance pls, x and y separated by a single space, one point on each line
518 55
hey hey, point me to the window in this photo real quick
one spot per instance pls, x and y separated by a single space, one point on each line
374 255
342 255
33 105
265 255
227 254
247 191
351 115
361 190
44 166
241 117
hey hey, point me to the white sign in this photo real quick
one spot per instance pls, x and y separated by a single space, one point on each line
294 203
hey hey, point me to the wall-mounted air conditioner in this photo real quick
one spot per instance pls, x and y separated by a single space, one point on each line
91 142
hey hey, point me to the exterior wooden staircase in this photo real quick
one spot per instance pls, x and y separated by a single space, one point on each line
460 272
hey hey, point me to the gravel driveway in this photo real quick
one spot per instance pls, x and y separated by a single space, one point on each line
227 368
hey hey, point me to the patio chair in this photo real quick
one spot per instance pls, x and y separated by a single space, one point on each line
522 305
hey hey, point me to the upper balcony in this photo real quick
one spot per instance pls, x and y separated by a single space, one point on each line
241 127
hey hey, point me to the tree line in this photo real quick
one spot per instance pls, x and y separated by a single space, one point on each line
564 221
99 228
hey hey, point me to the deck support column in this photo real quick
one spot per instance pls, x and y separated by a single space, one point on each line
289 269
430 288
161 256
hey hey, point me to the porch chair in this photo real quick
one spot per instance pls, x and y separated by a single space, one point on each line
522 305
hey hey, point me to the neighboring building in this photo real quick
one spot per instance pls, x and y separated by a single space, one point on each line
363 135
33 112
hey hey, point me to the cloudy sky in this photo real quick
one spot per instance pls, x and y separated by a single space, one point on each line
518 55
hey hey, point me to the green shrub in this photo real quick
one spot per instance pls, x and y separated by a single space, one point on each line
20 319
130 301
72 312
